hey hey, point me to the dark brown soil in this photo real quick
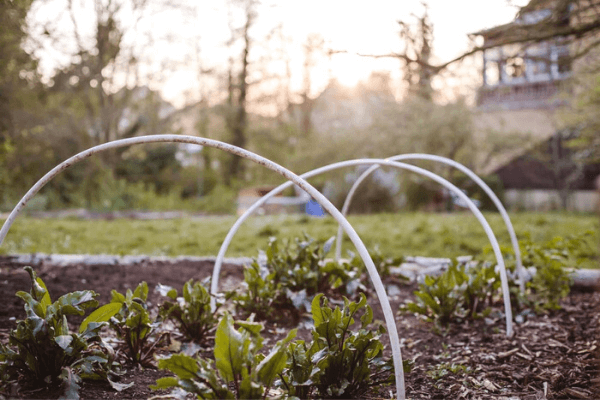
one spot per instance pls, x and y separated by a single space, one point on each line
555 356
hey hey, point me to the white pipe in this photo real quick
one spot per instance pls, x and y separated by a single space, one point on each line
322 200
421 171
465 170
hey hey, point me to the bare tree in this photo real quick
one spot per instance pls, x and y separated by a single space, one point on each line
100 63
203 122
418 41
566 169
313 46
110 54
237 86
252 83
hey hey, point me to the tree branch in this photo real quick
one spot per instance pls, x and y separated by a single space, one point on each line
534 33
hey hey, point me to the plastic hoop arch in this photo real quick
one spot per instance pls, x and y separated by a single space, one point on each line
287 174
466 171
376 162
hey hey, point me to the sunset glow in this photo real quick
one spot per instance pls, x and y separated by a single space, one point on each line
178 37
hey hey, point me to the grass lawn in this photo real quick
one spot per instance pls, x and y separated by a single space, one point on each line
418 234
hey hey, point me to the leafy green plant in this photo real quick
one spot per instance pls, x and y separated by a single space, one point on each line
552 260
470 290
241 371
192 312
481 287
465 290
439 298
134 326
339 362
552 263
42 351
282 281
549 285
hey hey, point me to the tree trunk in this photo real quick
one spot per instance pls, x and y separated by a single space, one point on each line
240 118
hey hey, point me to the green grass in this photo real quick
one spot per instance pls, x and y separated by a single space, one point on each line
433 235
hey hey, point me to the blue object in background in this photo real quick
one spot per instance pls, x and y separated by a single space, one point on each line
460 202
313 208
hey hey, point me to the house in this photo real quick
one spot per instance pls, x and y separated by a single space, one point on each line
523 88
548 179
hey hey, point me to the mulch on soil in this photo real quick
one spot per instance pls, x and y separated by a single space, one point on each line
554 356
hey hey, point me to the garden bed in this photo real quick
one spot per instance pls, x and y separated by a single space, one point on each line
555 356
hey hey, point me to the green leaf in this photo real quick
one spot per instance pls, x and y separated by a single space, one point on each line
187 288
271 249
141 291
63 341
138 318
45 302
316 311
367 318
37 325
414 308
37 291
32 303
353 307
92 330
92 367
71 383
101 314
428 301
185 367
248 388
165 383
229 349
74 303
273 364
117 297
252 327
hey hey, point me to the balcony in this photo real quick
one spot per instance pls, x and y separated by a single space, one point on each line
529 95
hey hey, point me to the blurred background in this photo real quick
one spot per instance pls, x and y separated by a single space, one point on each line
511 89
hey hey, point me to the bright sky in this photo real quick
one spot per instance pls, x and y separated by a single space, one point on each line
355 26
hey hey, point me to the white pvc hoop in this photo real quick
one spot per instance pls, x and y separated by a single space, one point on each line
465 170
287 174
421 171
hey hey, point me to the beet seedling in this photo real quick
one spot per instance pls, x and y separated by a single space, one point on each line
338 362
241 371
42 351
192 312
134 326
285 278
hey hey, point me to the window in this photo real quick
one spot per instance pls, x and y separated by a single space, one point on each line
515 67
493 54
563 59
540 67
492 73
538 61
564 64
